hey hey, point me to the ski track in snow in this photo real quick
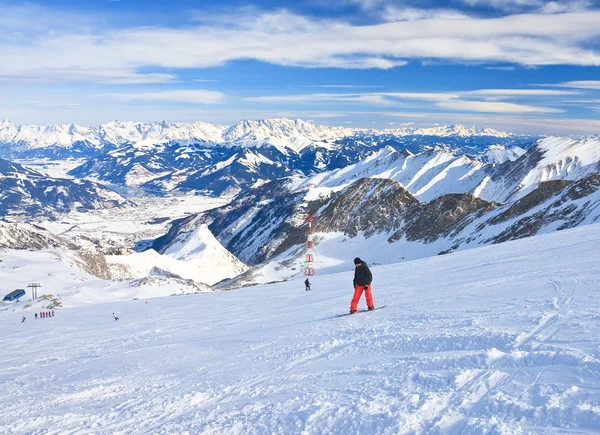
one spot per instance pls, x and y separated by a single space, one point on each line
502 339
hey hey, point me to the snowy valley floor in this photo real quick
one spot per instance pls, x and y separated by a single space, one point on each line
502 339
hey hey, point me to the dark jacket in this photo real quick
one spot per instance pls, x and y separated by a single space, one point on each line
362 275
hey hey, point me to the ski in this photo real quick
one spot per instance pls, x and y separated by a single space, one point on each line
360 311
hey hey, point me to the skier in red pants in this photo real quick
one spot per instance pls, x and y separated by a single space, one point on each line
362 282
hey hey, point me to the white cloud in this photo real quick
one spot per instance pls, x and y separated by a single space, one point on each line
518 124
564 7
580 84
394 13
494 107
194 96
344 86
118 56
459 100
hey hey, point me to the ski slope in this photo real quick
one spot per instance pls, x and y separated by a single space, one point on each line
502 339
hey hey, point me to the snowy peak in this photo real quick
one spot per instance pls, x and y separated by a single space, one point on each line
498 154
200 248
447 131
294 134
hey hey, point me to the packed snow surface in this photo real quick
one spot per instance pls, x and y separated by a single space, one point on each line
501 339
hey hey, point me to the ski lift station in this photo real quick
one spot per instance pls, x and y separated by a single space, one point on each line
14 295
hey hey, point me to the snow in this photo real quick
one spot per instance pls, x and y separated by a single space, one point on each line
426 176
202 250
279 132
501 339
62 276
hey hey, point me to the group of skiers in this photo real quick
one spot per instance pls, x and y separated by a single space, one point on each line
361 283
44 314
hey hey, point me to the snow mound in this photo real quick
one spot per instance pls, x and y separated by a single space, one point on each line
201 249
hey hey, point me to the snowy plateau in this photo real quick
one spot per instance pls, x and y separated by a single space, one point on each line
484 246
500 339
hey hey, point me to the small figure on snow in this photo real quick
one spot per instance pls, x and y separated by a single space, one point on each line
116 317
307 284
52 313
23 319
362 282
35 315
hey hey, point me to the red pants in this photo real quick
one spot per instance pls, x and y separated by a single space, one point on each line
358 290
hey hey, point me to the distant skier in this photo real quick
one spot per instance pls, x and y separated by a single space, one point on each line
52 313
307 284
362 282
35 315
23 319
116 317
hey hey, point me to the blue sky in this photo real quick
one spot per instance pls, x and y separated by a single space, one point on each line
520 65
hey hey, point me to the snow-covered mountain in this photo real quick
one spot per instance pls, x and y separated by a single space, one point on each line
70 140
498 154
551 158
283 133
265 225
26 192
259 151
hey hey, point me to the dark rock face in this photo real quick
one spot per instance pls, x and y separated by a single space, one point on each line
369 205
575 201
544 192
442 217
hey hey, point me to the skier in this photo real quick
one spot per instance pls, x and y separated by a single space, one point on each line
52 313
35 315
307 284
23 319
116 317
362 282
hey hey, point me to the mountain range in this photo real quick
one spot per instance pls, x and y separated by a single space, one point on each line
395 204
254 152
71 140
28 193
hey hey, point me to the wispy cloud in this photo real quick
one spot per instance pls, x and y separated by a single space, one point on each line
579 84
494 107
460 100
523 123
394 13
538 6
502 68
119 56
194 96
344 86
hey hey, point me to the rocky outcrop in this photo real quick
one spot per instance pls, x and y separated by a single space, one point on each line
29 237
544 192
369 205
446 216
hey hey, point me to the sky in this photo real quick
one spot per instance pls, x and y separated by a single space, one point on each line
526 66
